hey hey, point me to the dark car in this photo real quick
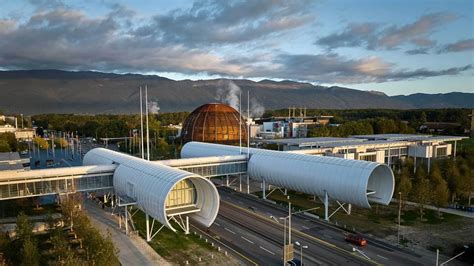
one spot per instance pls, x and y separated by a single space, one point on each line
356 239
294 262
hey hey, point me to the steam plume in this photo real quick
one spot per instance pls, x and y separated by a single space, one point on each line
228 92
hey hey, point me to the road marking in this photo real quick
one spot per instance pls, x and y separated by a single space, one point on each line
247 240
217 224
382 257
228 230
305 227
267 250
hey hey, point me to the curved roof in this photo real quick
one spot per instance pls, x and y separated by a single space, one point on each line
352 181
149 184
214 123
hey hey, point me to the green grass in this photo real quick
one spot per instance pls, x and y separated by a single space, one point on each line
379 220
176 247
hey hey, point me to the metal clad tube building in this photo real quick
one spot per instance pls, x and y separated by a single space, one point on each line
350 181
160 190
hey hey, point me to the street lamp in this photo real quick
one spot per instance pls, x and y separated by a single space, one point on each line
399 215
301 250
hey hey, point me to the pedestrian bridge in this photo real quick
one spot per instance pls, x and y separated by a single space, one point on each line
32 183
23 184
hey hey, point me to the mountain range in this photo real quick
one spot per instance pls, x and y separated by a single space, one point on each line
57 91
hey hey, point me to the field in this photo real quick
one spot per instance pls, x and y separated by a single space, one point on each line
179 248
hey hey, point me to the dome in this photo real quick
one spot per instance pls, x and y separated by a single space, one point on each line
214 123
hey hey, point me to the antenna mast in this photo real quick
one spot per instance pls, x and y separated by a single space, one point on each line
147 126
141 124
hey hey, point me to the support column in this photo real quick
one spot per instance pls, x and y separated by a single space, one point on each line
349 208
286 192
187 226
227 180
414 165
454 152
240 182
326 206
126 221
248 184
263 189
148 237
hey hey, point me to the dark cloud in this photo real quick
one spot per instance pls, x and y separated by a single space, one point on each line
68 39
379 37
64 38
417 51
459 46
228 22
333 68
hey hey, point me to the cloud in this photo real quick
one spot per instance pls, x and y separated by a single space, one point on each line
227 22
68 39
374 36
459 46
333 68
417 51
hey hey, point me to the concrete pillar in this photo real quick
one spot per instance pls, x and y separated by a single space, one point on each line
248 184
263 189
326 206
187 226
454 151
148 237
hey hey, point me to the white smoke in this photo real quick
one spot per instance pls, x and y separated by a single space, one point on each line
153 107
256 108
228 92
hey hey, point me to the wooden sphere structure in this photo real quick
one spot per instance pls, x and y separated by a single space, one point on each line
214 123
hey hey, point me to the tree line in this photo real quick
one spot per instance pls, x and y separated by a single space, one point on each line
70 240
449 181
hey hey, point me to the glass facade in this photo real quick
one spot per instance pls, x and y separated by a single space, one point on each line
182 194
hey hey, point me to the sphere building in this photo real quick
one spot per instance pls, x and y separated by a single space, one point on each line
214 123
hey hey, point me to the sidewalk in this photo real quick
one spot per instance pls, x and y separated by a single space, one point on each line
133 250
444 210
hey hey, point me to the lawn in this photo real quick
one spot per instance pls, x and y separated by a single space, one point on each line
179 248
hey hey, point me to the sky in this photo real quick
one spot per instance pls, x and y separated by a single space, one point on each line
393 46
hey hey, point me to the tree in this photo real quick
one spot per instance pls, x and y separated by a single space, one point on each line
41 143
24 228
29 253
421 190
71 207
4 146
404 183
439 188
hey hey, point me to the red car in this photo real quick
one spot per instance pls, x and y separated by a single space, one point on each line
356 239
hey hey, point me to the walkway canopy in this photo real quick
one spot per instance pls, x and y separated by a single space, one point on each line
159 190
351 181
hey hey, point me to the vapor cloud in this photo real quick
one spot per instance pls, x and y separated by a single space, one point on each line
459 46
228 92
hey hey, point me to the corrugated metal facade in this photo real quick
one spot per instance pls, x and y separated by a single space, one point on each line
150 183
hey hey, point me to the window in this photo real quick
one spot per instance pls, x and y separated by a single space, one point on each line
370 158
182 194
443 151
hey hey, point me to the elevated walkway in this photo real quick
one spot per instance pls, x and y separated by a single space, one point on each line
23 184
211 166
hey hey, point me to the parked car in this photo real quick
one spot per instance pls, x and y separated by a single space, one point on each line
356 239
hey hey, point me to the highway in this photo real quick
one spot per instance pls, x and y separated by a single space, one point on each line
326 242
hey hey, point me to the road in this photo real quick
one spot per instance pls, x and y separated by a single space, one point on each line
133 250
377 251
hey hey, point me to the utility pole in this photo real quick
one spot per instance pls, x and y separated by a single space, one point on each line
141 124
147 125
399 215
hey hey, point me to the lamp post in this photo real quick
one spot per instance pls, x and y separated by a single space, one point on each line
301 250
399 215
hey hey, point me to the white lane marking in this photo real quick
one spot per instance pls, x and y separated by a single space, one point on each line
228 230
305 227
382 257
267 250
247 240
217 224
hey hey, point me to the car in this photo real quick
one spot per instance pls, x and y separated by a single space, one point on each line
294 262
356 239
